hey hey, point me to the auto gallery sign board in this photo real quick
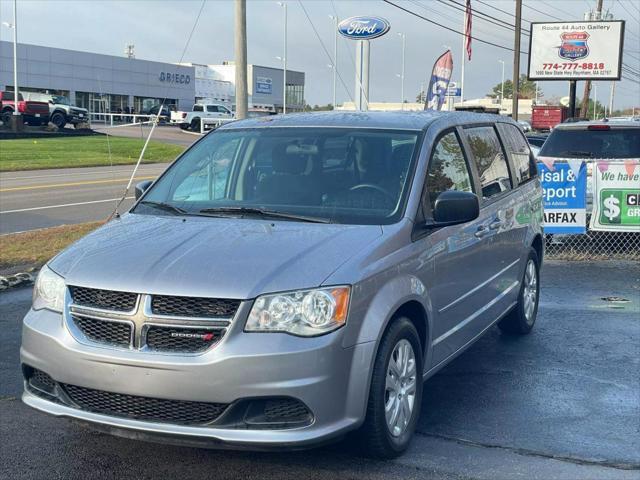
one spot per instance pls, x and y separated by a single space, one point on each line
581 50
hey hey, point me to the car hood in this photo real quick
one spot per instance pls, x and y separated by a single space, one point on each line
221 257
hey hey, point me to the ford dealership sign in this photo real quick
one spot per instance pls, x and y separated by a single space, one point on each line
363 28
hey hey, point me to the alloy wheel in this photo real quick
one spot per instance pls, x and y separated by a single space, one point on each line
400 390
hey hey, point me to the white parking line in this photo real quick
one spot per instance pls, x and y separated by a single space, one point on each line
63 205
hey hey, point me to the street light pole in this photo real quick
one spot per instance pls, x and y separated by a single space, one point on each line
284 61
404 39
335 56
502 85
241 58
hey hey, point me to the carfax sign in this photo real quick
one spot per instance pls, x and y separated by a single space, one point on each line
576 50
616 196
564 189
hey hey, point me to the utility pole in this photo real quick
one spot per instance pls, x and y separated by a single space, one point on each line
335 56
241 58
463 57
611 94
404 39
516 61
584 109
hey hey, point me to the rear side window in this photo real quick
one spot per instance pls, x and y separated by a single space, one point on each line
447 168
574 143
198 108
489 159
518 149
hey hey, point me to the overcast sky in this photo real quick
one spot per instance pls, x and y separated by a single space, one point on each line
160 29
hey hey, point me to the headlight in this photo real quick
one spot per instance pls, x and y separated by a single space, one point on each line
306 312
48 291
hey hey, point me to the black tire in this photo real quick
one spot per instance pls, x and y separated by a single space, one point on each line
195 124
375 438
58 120
517 321
184 126
6 116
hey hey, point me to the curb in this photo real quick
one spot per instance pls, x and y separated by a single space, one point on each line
16 280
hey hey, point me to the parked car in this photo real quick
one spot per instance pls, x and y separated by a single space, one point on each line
192 119
291 279
61 111
526 126
165 112
593 140
34 113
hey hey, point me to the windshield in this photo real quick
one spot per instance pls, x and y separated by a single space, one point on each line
613 143
342 175
60 100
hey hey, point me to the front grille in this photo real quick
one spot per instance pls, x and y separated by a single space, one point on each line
193 306
104 299
177 339
104 331
287 410
144 408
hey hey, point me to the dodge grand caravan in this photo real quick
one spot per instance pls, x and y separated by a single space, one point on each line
291 279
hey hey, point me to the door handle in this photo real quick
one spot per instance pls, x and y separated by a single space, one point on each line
481 232
495 225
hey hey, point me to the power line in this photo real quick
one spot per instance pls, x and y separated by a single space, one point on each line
540 11
481 15
449 28
625 9
325 48
503 11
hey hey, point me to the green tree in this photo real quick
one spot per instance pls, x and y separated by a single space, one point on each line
527 89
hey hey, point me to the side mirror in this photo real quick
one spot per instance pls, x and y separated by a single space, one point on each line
453 207
142 187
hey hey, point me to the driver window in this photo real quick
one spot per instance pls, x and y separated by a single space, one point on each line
447 168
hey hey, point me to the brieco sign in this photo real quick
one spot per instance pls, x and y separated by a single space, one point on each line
363 28
169 77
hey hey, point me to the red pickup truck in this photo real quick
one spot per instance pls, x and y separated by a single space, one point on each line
34 113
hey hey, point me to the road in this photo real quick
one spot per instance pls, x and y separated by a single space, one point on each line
561 403
47 198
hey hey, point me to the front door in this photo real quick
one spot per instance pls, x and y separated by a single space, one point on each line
459 252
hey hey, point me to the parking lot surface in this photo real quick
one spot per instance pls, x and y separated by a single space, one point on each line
563 402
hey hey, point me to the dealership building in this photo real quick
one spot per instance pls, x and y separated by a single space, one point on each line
108 83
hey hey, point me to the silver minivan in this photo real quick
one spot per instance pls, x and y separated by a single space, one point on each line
291 279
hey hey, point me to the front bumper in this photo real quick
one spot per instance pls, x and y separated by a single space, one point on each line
330 380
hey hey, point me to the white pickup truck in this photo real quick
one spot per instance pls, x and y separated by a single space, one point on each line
193 119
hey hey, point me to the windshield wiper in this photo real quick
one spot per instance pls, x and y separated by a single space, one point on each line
167 207
262 212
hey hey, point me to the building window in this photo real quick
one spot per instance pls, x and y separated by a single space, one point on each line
295 95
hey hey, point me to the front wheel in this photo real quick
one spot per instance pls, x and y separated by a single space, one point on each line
58 120
395 394
521 319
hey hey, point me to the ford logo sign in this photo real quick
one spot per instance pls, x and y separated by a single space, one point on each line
363 28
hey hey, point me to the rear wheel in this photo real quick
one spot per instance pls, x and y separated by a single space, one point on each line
395 394
6 116
195 124
521 319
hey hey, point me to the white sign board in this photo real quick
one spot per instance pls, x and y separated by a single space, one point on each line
576 50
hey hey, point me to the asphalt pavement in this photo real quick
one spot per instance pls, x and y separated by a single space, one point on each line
47 198
560 403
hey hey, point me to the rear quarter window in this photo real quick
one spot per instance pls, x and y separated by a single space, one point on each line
583 143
